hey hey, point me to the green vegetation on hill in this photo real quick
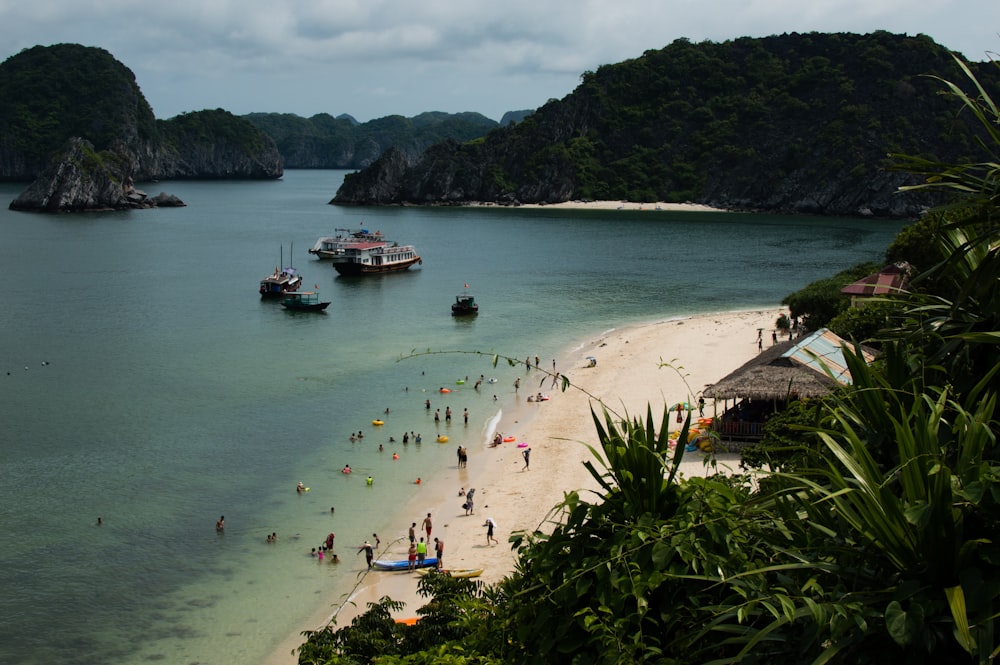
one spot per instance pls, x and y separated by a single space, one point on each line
798 122
323 141
51 93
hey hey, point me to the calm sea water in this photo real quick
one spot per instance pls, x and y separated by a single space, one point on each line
142 380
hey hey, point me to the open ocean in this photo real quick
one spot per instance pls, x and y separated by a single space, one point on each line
143 380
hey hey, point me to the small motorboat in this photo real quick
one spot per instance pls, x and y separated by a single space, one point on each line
304 301
465 304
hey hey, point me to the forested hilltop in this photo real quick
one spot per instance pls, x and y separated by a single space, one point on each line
796 122
51 94
325 142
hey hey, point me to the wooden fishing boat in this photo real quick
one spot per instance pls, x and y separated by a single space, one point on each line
304 301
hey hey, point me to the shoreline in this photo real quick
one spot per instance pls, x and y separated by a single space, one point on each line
657 364
661 206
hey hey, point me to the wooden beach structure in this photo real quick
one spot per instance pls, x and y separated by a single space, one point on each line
889 281
812 366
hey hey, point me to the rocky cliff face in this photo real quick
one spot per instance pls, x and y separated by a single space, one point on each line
81 179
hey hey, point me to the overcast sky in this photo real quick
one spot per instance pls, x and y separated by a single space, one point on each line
372 58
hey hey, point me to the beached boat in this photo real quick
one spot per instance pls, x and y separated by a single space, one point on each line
374 257
304 301
283 280
461 572
464 305
403 564
329 247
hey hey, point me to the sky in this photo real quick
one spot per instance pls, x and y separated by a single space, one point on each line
373 58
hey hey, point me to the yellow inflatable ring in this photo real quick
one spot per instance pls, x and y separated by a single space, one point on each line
378 422
442 439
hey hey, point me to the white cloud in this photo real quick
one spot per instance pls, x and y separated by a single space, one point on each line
377 57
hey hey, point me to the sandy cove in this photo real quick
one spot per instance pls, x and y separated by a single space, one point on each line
615 205
658 364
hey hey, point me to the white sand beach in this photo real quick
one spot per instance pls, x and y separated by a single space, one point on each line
658 364
616 205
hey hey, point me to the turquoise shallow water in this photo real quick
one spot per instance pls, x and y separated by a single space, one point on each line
143 381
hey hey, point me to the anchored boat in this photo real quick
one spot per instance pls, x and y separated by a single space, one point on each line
330 247
375 256
283 280
304 301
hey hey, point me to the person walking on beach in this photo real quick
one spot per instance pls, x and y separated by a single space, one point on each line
421 553
426 525
701 406
413 533
369 553
517 383
490 526
526 454
439 551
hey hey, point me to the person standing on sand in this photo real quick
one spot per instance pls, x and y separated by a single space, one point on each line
426 525
526 454
369 554
421 553
439 551
413 533
517 384
411 557
490 525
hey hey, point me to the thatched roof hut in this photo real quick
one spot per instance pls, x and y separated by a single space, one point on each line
789 370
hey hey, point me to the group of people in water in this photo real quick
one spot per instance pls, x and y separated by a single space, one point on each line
418 548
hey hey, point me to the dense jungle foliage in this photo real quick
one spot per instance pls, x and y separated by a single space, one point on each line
876 543
795 122
51 93
209 126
